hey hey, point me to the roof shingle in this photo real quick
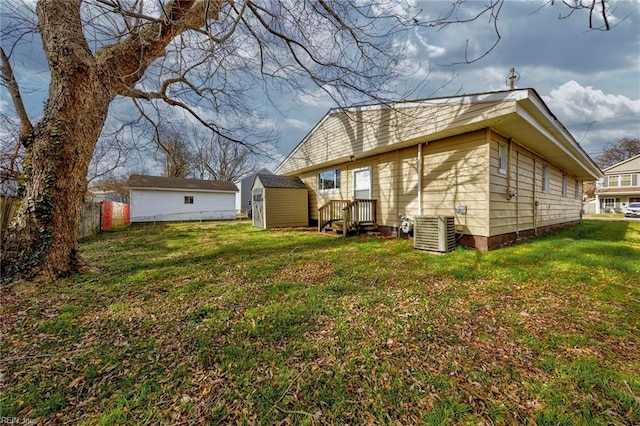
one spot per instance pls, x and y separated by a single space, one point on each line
144 181
275 181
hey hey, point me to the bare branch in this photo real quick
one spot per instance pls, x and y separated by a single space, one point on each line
16 97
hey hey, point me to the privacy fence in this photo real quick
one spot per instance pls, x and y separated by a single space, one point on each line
94 217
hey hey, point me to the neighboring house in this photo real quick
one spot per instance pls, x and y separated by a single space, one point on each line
158 199
500 163
279 201
619 186
97 195
243 198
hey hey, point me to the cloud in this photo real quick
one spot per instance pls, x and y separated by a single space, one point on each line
317 98
595 118
579 104
298 124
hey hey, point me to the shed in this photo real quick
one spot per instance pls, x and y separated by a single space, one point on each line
279 201
243 198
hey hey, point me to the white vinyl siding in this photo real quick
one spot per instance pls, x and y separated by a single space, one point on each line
158 205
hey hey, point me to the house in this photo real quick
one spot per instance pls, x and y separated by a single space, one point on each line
243 198
619 186
279 201
161 199
499 163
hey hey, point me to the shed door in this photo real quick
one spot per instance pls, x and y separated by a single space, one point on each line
257 208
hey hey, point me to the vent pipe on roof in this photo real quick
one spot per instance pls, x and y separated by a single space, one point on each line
513 78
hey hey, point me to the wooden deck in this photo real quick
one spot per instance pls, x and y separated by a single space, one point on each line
345 217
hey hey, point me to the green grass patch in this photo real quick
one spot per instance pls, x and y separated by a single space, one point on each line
223 323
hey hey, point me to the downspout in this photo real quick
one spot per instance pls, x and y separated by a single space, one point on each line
535 197
398 178
509 191
420 179
517 192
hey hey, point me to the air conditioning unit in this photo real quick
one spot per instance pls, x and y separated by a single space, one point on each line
434 233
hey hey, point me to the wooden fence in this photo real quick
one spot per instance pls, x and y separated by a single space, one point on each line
94 217
8 206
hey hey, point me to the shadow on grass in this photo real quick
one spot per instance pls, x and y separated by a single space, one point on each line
164 251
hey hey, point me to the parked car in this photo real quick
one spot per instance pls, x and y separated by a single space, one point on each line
632 210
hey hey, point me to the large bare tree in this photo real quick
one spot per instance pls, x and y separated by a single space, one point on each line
622 150
220 158
205 57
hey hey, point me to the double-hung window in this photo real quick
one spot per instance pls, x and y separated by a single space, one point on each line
329 180
503 158
620 180
545 178
609 203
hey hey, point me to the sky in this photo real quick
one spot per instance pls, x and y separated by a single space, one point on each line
589 79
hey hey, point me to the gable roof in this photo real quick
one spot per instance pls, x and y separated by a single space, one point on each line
162 182
275 181
252 176
629 165
374 129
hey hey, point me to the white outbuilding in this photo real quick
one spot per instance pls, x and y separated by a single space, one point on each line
164 199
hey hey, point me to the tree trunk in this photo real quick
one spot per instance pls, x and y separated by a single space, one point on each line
41 243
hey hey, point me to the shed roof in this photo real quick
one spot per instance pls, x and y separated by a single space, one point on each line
275 181
161 182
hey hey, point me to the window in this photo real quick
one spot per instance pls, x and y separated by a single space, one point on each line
565 185
620 180
545 178
625 180
577 190
608 203
503 158
188 199
329 179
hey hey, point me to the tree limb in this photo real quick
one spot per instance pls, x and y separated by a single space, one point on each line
14 90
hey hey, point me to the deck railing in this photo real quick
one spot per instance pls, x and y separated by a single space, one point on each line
330 212
353 214
357 213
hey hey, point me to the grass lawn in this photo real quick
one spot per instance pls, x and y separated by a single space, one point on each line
221 323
